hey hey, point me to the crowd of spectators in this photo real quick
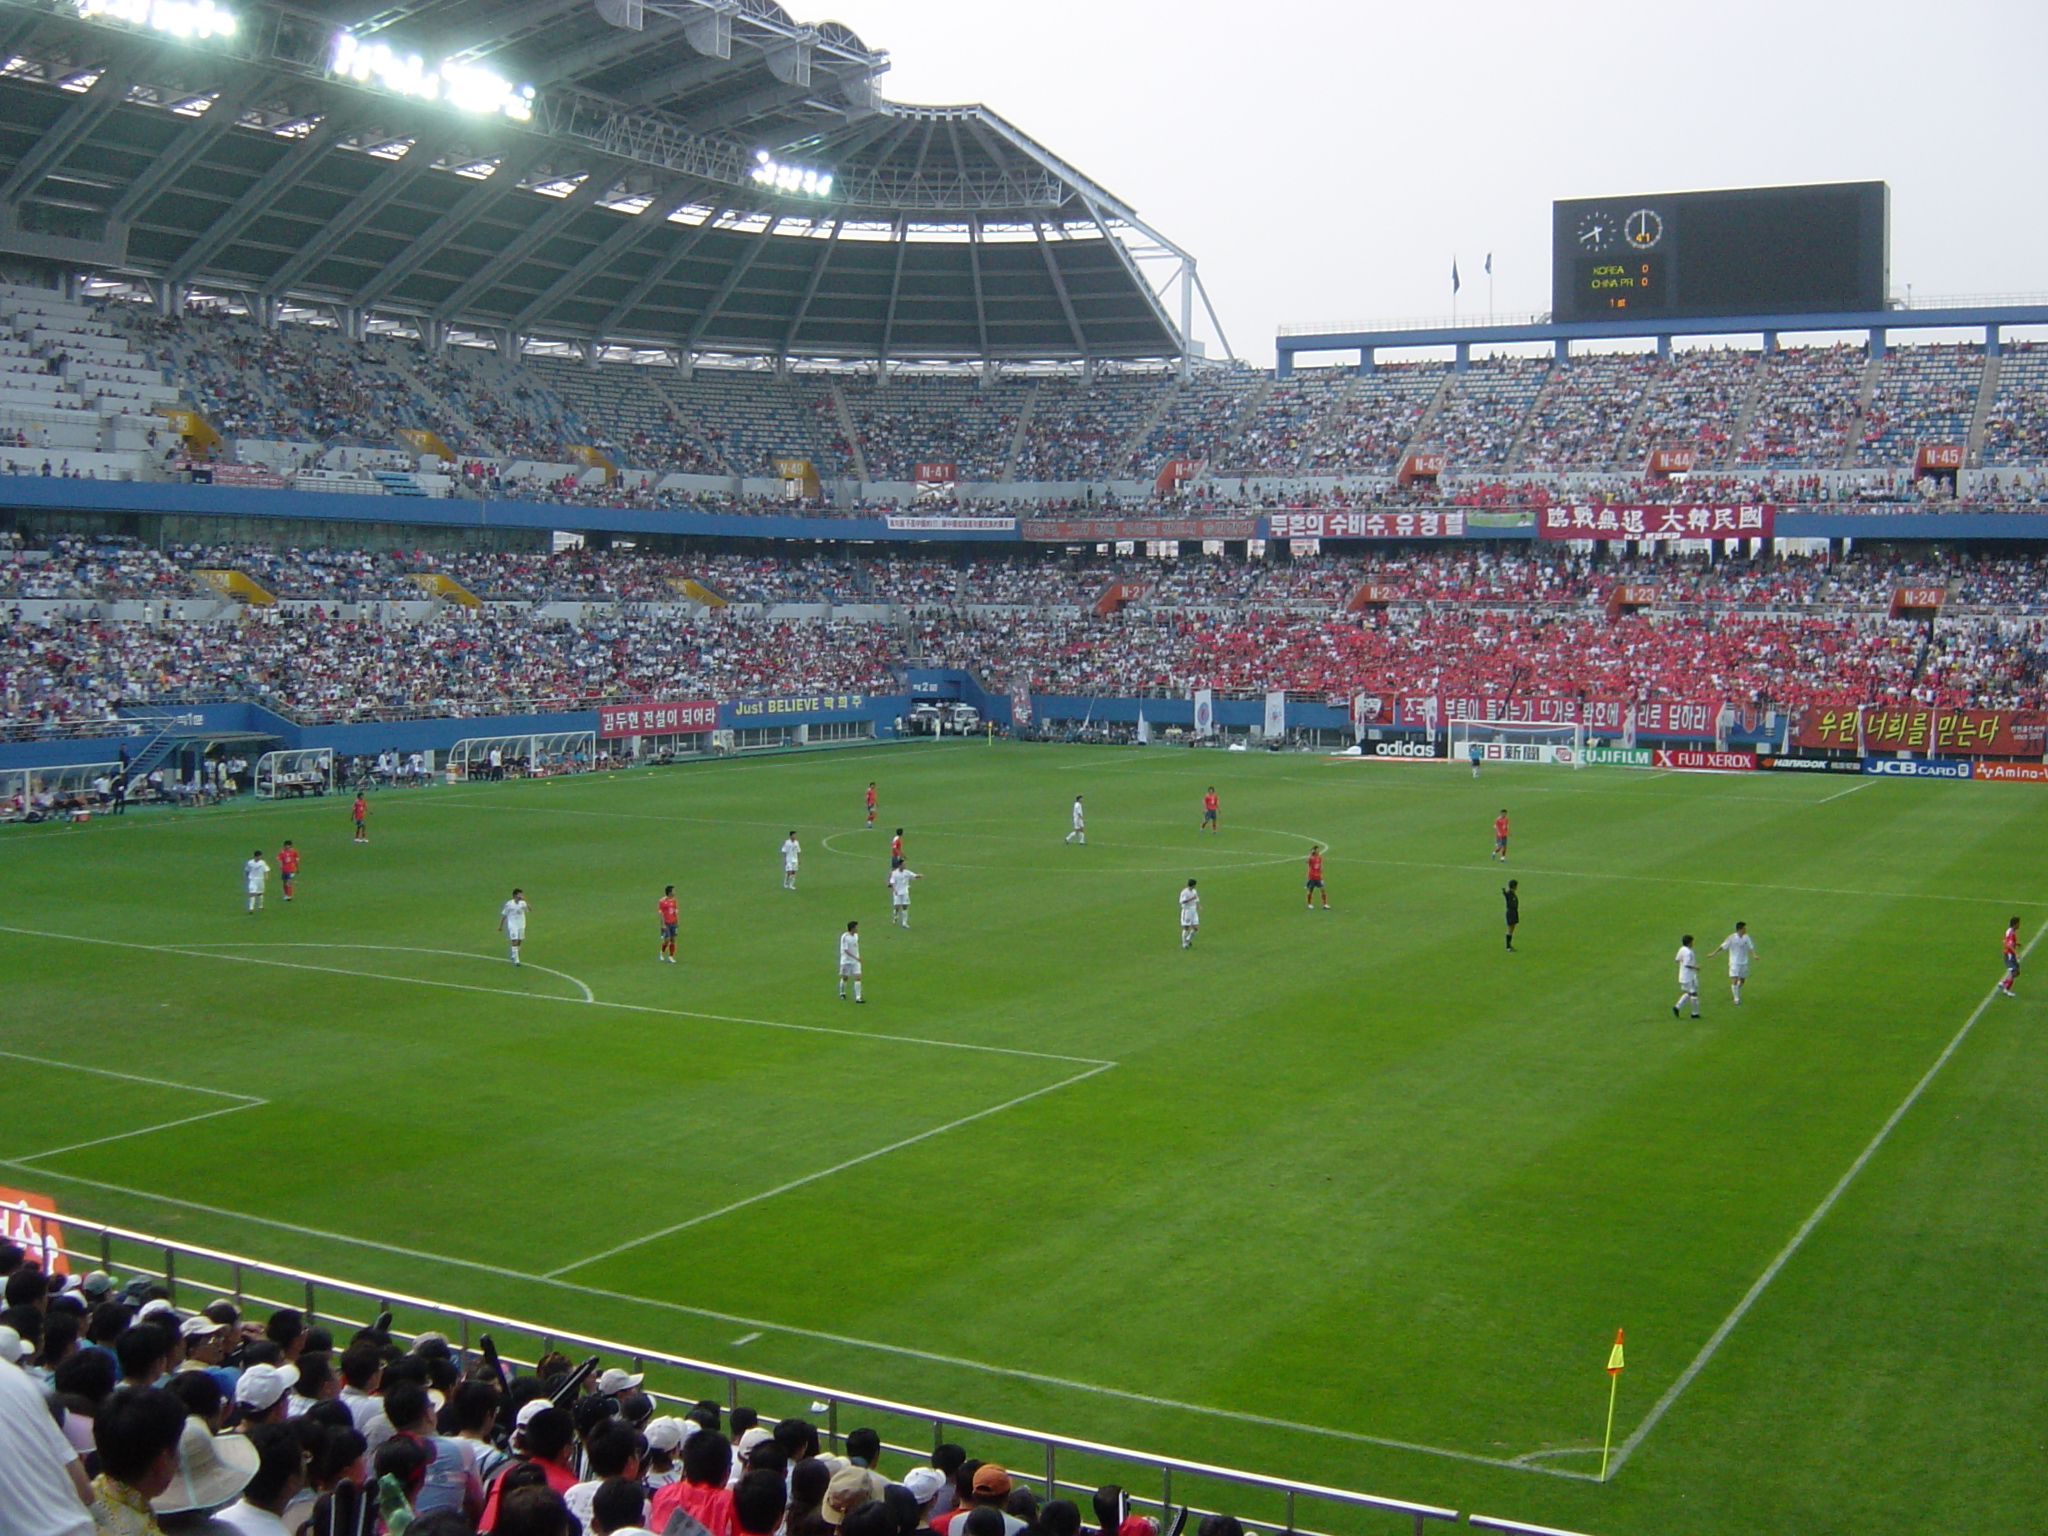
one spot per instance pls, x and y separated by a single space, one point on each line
122 1414
1790 629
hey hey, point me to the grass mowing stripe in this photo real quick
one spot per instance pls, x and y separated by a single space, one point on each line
1728 1324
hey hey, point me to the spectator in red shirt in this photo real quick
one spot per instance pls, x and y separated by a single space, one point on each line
707 1463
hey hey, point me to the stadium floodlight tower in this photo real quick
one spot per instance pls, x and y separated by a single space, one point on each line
705 178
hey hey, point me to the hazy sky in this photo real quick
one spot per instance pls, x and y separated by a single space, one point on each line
1325 161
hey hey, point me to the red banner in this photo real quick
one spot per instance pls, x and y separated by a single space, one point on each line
935 474
658 719
1943 732
2012 773
1736 761
1090 530
1681 520
28 1219
1366 525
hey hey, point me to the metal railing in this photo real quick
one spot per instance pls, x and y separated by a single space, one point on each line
1058 1464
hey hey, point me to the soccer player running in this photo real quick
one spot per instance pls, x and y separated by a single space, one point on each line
1511 899
669 918
287 867
1688 977
1209 810
1080 832
2012 958
1500 835
899 894
1739 947
255 874
1315 878
1190 914
361 811
512 921
871 805
792 854
849 961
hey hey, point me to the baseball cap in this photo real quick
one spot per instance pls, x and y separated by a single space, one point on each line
212 1470
990 1478
261 1386
200 1326
616 1380
156 1309
667 1434
528 1412
13 1347
97 1284
850 1488
924 1483
753 1437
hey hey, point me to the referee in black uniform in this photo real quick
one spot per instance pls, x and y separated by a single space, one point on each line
1511 897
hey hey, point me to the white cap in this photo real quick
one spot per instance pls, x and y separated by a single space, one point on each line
667 1434
260 1386
616 1380
155 1309
527 1413
924 1483
13 1347
200 1326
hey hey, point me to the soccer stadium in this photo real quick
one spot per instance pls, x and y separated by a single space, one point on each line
593 610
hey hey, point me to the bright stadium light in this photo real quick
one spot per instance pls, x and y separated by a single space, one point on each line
770 172
469 87
173 18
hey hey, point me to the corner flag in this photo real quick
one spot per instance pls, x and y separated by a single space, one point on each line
1613 1382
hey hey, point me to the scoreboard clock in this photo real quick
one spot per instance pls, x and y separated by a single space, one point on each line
1757 251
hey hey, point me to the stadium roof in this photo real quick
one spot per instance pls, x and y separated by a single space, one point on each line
628 171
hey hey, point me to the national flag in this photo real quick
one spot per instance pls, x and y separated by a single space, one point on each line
1454 275
1614 1355
1489 263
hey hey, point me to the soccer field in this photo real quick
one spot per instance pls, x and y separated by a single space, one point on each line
1355 1196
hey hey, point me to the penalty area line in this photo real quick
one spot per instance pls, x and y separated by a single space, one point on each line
1728 1324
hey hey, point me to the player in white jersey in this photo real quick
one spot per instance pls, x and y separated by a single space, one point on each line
1190 914
1080 832
1688 977
512 919
899 894
849 960
255 875
1739 946
792 852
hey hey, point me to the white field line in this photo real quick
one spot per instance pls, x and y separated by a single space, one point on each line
395 949
164 1125
822 1336
196 953
130 1077
822 1173
1864 784
1749 1299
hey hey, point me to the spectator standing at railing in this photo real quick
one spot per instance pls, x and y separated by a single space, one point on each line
42 1480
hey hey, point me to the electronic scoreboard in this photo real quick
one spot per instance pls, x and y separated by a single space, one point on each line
1754 251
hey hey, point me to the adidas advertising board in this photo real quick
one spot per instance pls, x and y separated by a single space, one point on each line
1918 767
1405 749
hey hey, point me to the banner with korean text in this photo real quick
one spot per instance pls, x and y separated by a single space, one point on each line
1665 717
1365 525
1941 732
1681 520
1088 530
662 718
30 1221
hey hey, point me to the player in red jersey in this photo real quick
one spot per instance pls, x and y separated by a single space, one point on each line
1500 835
667 908
1209 810
288 867
895 859
361 810
871 805
1315 877
2012 958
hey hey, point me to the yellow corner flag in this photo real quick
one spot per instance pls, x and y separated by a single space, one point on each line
1614 1364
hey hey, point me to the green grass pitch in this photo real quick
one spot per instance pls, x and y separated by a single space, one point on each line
1353 1196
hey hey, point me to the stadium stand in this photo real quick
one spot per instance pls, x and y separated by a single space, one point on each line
1925 394
2016 431
1806 402
1480 421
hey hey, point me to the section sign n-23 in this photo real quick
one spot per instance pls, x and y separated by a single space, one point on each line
1679 520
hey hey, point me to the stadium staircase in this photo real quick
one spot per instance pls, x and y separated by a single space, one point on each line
1025 412
1552 379
1247 413
1625 444
166 734
1745 415
1127 451
236 586
1426 423
844 417
1852 431
462 423
1987 397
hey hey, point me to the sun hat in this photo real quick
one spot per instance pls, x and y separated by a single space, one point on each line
212 1471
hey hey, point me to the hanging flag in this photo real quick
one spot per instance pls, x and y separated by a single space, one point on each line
1614 1355
1454 276
1489 263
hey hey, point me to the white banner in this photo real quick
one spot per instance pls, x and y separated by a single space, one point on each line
1276 714
1205 712
1020 707
953 523
1144 728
